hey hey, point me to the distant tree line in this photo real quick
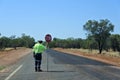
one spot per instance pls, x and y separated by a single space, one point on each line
23 41
99 37
113 42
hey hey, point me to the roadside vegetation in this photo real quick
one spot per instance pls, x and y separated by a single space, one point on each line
2 67
14 42
89 46
99 38
109 53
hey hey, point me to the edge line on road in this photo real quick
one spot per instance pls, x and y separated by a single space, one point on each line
14 72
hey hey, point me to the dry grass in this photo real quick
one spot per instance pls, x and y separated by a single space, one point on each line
7 49
87 51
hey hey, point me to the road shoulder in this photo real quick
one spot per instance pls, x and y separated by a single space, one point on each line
8 58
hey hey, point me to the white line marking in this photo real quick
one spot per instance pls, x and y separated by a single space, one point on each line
14 72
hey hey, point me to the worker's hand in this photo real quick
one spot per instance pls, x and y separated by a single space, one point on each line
34 54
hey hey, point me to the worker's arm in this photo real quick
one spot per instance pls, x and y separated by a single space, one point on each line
33 54
33 51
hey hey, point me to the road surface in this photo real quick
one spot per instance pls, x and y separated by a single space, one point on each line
61 66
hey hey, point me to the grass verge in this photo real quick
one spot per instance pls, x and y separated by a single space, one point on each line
2 67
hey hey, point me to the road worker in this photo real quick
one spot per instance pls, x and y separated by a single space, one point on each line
38 49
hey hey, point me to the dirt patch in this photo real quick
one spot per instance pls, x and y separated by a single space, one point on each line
99 57
11 56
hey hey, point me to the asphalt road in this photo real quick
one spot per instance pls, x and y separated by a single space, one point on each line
61 66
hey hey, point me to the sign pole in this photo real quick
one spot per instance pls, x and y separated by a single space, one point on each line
48 39
47 58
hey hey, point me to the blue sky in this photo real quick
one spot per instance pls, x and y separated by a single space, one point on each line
60 18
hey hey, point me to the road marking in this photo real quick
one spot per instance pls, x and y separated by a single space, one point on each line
14 72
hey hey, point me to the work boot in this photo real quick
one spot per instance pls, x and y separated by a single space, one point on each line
36 69
39 69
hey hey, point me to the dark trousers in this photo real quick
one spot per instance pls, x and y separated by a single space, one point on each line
38 59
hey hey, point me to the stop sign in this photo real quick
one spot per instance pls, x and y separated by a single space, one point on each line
48 38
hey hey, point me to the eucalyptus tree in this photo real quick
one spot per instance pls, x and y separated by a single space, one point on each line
100 30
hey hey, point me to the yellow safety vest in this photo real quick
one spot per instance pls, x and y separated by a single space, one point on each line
38 48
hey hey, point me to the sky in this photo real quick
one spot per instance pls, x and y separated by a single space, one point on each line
60 18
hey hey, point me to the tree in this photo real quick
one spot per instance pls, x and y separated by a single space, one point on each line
66 43
4 42
115 42
99 30
27 41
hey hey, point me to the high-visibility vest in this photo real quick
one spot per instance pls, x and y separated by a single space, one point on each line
38 48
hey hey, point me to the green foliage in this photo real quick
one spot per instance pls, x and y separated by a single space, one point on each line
24 41
66 43
2 67
27 41
100 31
115 42
4 42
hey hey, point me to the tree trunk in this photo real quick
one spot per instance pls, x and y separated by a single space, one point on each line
100 51
100 47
